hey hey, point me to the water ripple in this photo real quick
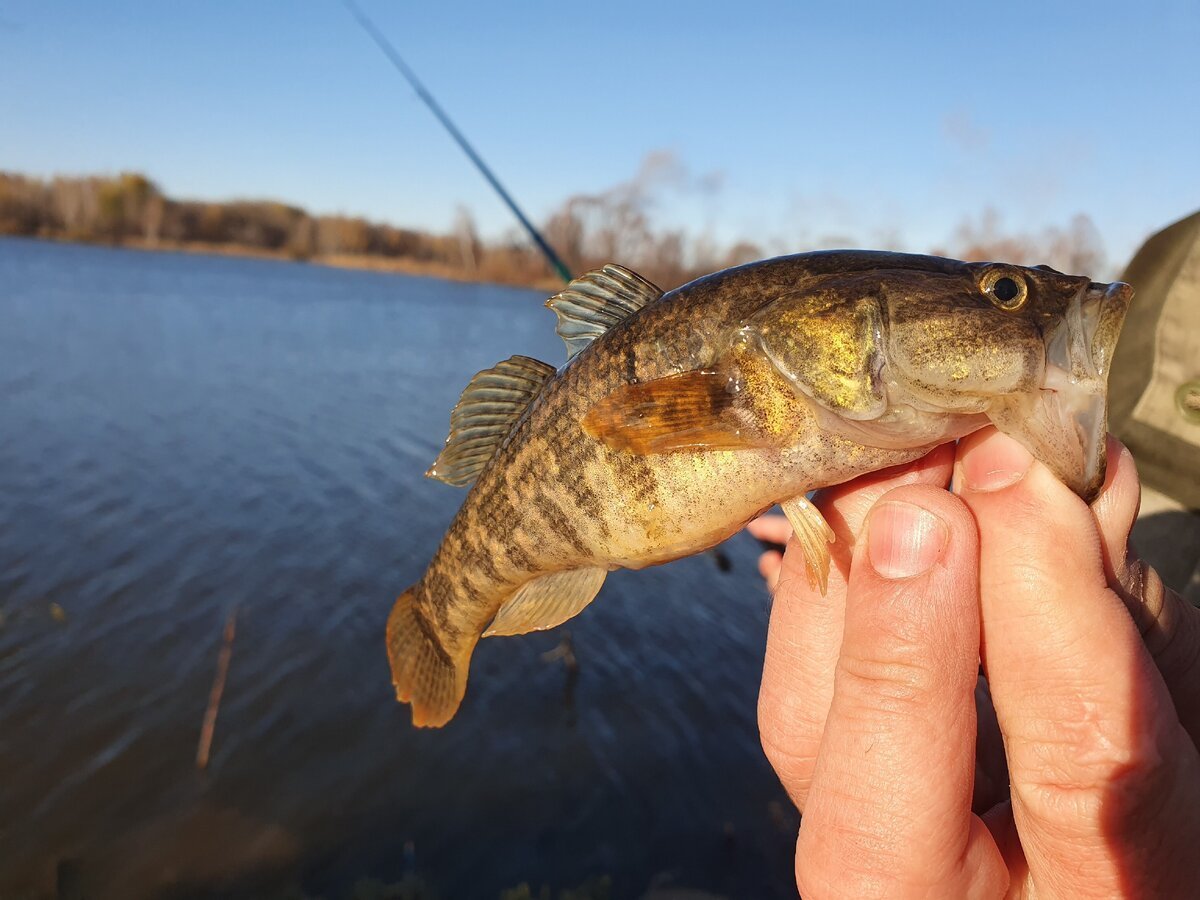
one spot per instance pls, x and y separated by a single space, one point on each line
181 436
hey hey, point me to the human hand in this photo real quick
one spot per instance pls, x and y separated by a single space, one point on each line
770 529
1082 780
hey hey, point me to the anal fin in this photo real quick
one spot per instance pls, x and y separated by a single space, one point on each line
814 535
547 601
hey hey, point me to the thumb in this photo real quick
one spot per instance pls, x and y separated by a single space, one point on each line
890 804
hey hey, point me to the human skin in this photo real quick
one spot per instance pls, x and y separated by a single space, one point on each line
1069 768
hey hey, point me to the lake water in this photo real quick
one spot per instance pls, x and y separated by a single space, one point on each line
182 435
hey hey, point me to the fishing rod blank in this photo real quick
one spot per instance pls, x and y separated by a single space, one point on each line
411 77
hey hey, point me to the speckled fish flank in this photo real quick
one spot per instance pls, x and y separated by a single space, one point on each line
680 416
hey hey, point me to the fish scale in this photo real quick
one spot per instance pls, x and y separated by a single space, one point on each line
679 417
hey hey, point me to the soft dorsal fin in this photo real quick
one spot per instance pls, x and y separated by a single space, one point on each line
489 406
595 302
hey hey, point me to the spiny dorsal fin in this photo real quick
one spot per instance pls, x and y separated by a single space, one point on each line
547 601
489 406
595 302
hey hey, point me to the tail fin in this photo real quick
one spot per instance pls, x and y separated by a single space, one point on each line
424 672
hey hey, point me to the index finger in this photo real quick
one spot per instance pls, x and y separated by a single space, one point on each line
1103 777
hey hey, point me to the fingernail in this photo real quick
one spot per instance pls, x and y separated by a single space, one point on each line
904 540
994 463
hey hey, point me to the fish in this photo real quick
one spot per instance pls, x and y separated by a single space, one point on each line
680 416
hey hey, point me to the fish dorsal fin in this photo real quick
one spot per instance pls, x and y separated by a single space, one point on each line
486 412
595 302
547 601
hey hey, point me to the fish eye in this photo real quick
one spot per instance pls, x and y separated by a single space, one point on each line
1005 289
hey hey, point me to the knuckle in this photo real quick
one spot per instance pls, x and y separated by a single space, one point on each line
893 678
791 749
787 756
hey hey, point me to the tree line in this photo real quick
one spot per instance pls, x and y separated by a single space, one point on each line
588 230
131 209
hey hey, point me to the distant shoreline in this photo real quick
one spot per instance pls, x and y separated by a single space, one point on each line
589 230
129 210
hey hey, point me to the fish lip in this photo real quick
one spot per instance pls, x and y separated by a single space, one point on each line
1082 343
1113 300
1078 357
1065 422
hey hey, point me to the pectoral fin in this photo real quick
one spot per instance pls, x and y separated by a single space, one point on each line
814 535
547 601
687 411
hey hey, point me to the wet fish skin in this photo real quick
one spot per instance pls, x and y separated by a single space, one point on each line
748 387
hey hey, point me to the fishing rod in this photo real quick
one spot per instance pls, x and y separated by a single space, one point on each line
427 98
556 263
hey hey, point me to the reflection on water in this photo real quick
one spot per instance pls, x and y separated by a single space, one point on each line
179 435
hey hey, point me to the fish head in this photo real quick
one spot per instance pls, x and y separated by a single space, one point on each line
900 351
1029 348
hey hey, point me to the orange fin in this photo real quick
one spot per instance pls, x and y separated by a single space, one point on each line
424 672
688 411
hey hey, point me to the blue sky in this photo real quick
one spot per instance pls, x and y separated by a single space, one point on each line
872 122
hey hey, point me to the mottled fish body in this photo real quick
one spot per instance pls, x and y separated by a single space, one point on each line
680 416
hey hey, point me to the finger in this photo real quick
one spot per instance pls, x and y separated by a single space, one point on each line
1103 778
805 633
1115 510
769 565
845 506
774 529
890 802
1170 626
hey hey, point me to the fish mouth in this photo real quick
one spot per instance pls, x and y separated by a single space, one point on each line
1065 422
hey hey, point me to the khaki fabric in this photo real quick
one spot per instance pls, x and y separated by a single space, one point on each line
1157 358
1154 387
